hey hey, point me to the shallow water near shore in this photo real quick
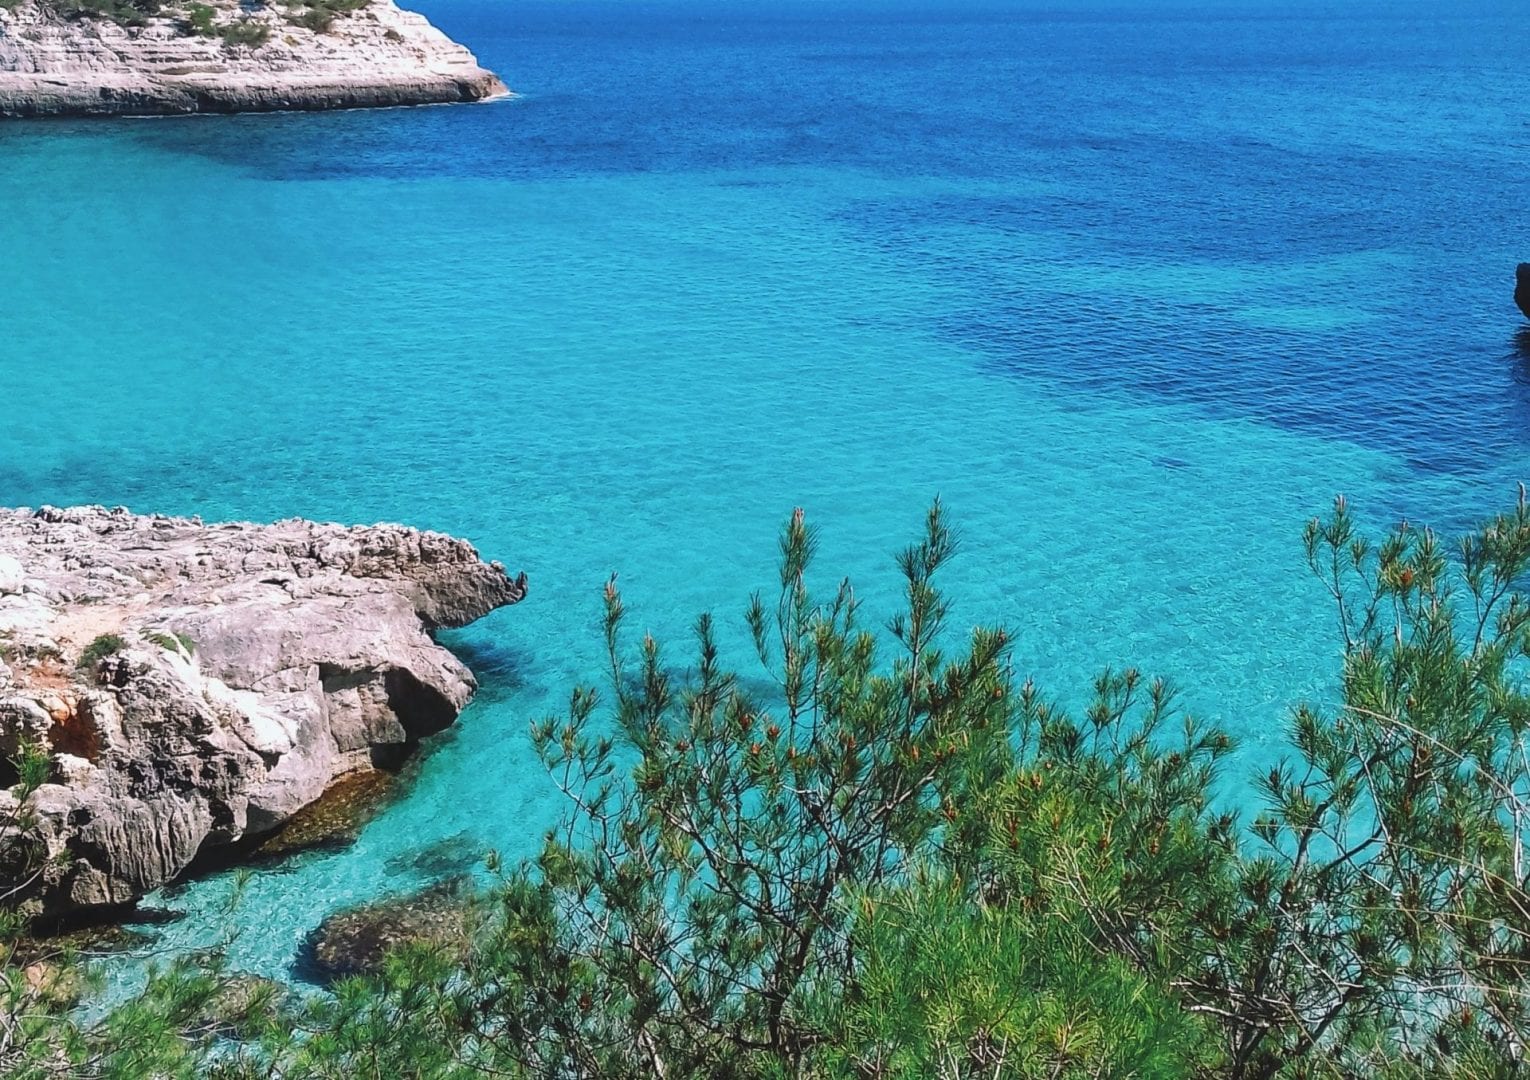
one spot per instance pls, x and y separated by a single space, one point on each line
1135 289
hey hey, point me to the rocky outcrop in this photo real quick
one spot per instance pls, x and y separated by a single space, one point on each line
357 941
1522 288
197 685
56 60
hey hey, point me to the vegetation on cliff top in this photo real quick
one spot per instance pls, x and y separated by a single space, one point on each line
122 12
903 863
201 19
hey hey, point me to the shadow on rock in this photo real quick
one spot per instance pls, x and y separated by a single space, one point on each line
332 822
122 929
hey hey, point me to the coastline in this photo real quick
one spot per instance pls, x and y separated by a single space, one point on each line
42 100
378 56
192 688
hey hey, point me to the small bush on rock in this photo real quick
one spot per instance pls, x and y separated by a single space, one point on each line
246 32
318 19
199 20
121 12
320 15
99 649
171 642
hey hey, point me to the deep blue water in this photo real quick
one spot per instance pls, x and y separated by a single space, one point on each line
1136 288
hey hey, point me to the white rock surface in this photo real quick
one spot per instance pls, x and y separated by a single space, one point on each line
12 577
377 56
247 668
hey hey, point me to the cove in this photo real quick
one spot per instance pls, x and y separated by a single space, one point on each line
715 263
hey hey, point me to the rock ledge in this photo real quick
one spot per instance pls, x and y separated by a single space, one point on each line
255 57
196 685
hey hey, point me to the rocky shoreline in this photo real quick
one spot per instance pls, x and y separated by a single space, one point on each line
195 686
225 57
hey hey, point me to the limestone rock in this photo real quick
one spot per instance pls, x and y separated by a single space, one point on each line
12 578
198 685
82 65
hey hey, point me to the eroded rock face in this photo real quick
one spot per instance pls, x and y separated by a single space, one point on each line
1521 297
197 685
379 55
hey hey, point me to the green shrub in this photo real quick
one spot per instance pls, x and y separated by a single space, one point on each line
199 20
249 33
890 859
171 642
99 649
320 15
121 12
21 774
317 19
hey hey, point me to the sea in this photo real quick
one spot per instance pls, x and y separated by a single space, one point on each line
1135 288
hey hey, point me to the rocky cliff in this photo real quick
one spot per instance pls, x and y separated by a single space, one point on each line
196 685
142 57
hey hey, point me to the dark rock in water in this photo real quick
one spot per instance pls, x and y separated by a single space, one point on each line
240 1002
452 855
96 939
1522 288
48 942
355 941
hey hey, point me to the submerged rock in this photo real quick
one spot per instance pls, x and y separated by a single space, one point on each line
356 941
448 856
333 820
196 686
1522 288
242 1002
145 57
54 944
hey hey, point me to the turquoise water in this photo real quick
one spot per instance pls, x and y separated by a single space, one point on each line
1135 290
